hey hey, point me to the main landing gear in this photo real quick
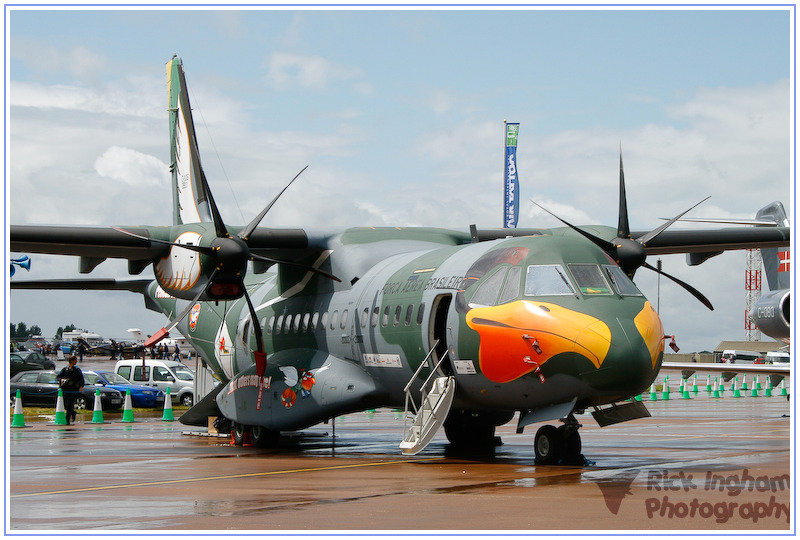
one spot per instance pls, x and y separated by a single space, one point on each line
559 445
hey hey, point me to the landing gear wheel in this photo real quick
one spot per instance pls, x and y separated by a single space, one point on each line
263 437
548 445
466 429
571 446
238 432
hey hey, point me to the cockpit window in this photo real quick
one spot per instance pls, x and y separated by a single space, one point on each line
511 288
547 280
621 282
589 279
487 291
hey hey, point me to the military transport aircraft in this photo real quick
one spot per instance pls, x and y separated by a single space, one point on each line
465 328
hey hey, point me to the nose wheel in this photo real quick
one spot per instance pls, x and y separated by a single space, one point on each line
559 445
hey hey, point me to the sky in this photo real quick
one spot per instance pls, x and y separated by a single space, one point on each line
399 114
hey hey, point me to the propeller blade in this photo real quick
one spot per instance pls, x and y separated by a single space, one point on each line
623 228
164 332
295 264
245 233
658 230
605 245
694 292
205 250
260 354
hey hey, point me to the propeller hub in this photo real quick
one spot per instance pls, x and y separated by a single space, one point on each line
232 255
629 254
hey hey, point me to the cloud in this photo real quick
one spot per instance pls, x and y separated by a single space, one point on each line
132 168
288 71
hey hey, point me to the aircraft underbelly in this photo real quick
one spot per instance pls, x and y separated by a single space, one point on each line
300 388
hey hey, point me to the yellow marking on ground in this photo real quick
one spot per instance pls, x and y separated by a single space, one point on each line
224 477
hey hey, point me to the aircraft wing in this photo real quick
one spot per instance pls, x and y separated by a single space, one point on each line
715 240
751 369
92 244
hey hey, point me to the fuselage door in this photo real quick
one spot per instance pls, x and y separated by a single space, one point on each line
439 329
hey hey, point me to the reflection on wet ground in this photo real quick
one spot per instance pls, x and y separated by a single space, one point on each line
701 463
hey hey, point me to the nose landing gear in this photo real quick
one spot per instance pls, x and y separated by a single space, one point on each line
559 445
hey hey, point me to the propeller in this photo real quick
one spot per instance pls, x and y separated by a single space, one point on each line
629 253
230 254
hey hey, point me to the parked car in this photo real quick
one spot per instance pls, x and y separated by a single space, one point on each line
37 358
161 374
141 396
41 388
16 364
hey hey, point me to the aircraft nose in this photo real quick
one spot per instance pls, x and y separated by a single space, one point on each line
636 353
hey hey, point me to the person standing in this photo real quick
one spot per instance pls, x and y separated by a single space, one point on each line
71 382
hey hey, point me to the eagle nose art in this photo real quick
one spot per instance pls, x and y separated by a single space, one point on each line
518 338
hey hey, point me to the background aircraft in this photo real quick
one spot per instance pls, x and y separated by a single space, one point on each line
469 327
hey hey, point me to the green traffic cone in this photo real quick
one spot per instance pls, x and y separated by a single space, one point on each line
19 418
653 394
665 392
127 409
61 413
97 415
168 416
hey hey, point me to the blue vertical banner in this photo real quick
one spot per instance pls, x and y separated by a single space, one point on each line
511 207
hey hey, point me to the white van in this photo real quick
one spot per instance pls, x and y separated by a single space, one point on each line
776 357
741 357
161 374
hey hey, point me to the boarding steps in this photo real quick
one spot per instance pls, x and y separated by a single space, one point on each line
437 397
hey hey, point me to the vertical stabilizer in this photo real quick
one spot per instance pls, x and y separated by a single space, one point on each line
776 260
189 187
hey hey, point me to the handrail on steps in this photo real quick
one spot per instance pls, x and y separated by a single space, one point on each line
423 390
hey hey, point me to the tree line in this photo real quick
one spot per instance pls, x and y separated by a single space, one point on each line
22 331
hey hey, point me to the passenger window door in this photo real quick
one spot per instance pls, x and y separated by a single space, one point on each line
140 376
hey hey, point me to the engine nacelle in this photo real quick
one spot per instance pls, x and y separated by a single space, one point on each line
772 314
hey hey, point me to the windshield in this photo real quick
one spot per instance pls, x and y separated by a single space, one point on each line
547 280
113 378
622 283
183 373
589 279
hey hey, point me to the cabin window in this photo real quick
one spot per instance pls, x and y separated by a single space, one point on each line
296 324
287 324
397 312
409 313
314 320
324 320
270 325
511 288
306 319
279 324
334 319
376 312
547 280
622 283
421 313
364 317
589 279
385 318
489 288
344 320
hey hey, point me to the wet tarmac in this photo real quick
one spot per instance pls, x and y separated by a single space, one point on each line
697 464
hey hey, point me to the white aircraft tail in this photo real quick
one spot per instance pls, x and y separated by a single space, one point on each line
190 189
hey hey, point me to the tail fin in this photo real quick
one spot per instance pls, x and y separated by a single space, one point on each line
776 260
190 190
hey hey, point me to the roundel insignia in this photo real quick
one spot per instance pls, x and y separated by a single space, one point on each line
193 316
